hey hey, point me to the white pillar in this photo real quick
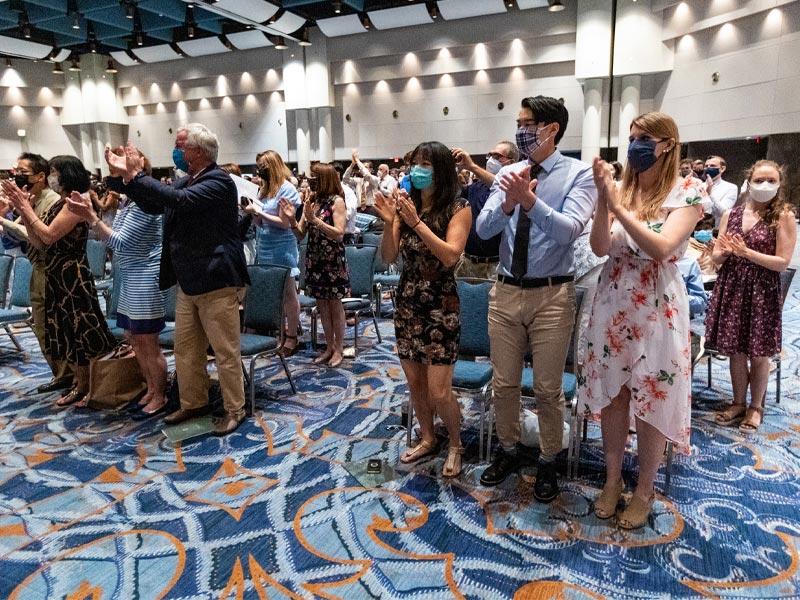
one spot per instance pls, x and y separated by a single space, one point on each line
324 122
630 93
592 118
303 136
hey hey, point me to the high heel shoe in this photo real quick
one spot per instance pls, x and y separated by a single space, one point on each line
287 352
452 464
605 506
322 358
637 513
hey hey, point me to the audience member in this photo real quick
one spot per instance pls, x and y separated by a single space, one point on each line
201 252
541 205
618 170
685 168
693 281
429 229
756 242
75 329
699 168
351 231
723 193
136 240
638 363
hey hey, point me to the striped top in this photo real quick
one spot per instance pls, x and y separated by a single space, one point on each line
136 242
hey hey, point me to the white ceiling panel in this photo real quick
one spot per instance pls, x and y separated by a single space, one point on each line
156 53
344 25
463 9
123 59
203 46
403 16
245 40
23 48
254 10
63 55
288 23
524 4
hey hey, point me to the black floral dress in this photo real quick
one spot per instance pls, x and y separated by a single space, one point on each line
426 320
326 268
75 329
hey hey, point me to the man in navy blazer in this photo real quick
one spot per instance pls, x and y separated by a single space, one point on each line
203 254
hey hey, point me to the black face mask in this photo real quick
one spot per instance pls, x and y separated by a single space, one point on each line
21 180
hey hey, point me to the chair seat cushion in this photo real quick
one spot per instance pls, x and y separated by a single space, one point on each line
167 339
569 384
387 279
306 301
471 375
102 286
13 315
252 343
353 304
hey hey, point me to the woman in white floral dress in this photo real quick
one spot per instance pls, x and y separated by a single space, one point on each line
637 355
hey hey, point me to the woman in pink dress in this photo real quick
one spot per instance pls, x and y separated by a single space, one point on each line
638 364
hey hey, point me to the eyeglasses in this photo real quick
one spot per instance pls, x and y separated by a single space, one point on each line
496 156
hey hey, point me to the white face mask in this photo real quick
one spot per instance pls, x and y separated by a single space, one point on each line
762 192
493 165
52 181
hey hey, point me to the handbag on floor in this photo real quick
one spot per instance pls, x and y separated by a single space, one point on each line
115 379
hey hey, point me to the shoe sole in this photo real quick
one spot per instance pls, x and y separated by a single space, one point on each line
545 500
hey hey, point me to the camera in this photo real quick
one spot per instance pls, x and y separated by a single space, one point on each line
244 202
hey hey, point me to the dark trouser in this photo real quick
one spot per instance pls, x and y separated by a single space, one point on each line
59 368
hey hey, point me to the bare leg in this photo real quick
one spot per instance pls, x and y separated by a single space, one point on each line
156 369
759 378
443 401
337 326
740 378
327 328
650 443
136 343
417 378
615 422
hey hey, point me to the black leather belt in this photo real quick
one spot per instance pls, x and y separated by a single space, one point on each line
481 260
536 282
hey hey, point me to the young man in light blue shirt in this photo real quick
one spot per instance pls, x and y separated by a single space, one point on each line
540 205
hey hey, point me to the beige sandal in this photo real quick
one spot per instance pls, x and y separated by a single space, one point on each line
605 506
730 415
418 452
637 513
748 424
452 465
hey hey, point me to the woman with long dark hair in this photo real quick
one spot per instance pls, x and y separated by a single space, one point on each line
429 229
756 241
75 328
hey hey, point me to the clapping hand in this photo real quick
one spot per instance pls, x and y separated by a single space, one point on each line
287 212
124 162
736 245
18 198
387 206
406 209
81 206
309 207
463 159
603 174
519 189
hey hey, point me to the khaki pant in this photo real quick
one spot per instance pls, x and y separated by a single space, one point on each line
467 268
59 368
538 320
199 320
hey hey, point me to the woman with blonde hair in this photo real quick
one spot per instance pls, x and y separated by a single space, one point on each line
756 241
277 244
637 363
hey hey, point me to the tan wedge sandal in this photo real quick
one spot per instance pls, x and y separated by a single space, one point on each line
605 506
636 515
452 465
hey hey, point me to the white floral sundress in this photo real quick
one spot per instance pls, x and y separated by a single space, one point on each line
638 332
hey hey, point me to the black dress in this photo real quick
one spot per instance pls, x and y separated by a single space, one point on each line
75 329
426 319
326 267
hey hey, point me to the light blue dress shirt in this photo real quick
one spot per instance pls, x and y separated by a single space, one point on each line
566 197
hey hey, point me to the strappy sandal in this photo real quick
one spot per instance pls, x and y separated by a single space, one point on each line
636 515
605 506
287 352
452 465
70 397
747 425
730 415
422 450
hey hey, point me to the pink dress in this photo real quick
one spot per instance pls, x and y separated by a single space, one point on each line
638 332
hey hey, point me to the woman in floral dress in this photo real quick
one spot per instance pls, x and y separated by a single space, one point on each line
327 280
756 242
429 228
637 354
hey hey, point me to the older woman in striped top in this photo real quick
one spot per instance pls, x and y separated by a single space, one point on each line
135 238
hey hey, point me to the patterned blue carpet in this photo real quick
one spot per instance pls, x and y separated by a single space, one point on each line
94 506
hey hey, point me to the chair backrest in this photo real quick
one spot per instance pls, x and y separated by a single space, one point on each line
21 290
360 263
375 239
473 296
170 298
786 282
263 307
96 255
6 262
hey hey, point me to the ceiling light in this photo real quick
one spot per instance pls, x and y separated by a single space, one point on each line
554 5
76 21
139 38
74 66
302 39
278 14
111 68
91 38
433 10
57 70
365 22
337 6
8 62
138 33
191 24
280 43
25 24
129 6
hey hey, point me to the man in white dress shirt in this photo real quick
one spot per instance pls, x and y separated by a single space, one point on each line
723 193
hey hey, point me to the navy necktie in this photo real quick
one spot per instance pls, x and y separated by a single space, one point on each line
519 258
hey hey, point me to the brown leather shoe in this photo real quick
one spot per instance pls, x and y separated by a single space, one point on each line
227 424
184 414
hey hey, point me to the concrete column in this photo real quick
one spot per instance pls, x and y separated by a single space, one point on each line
592 118
324 121
303 136
630 94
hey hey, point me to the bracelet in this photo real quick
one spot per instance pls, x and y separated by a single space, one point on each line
37 219
417 223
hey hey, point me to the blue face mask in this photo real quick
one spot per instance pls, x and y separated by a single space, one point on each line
703 236
421 177
179 159
712 172
642 155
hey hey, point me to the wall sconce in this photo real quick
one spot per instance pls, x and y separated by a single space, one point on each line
348 118
501 105
138 133
170 130
715 77
395 114
446 110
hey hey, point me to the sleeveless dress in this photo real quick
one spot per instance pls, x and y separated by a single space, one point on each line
638 332
278 246
745 312
326 267
75 329
426 317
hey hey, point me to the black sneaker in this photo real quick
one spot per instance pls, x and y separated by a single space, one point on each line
503 465
545 489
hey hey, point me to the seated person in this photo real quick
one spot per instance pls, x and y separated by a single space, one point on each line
698 299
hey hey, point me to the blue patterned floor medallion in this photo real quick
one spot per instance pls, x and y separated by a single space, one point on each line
94 506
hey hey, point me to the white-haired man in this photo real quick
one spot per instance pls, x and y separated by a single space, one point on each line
203 254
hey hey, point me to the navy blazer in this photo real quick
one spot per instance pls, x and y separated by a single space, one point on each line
202 249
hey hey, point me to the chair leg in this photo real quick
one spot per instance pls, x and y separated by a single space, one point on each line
777 382
482 425
13 338
377 329
252 386
355 334
668 469
489 434
288 375
314 343
709 370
